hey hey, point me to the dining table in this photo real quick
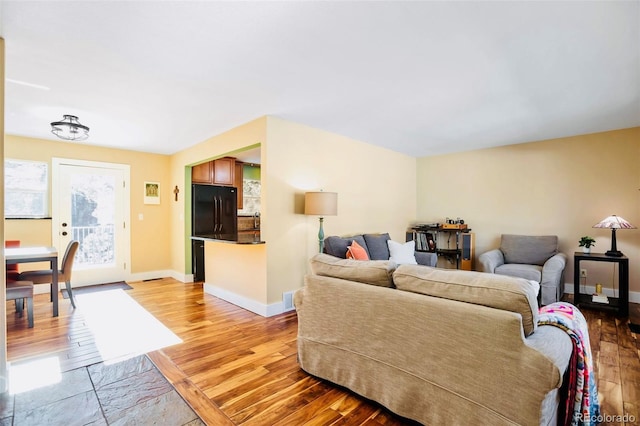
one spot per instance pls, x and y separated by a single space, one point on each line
16 255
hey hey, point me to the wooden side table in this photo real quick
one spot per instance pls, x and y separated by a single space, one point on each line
620 305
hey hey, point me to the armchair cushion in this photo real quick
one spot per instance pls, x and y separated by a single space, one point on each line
528 272
532 250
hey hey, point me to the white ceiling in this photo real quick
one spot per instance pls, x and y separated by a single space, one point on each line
421 78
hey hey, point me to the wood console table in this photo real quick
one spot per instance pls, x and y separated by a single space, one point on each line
620 305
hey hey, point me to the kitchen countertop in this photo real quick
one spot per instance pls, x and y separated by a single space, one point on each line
230 238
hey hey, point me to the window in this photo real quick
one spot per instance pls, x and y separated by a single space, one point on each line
26 186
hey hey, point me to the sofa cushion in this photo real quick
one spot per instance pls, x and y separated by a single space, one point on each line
401 253
495 291
375 272
528 272
532 250
357 252
337 246
377 246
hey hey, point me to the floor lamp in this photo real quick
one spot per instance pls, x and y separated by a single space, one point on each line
321 204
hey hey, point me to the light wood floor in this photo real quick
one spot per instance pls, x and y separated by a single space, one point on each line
235 367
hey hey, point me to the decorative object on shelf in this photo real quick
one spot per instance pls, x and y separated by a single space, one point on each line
152 193
70 129
614 222
586 242
321 204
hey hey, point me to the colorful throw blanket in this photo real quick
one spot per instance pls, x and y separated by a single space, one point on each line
583 407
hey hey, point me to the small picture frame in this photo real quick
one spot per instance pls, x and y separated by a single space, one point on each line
152 192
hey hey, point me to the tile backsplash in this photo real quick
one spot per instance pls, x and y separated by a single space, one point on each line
251 197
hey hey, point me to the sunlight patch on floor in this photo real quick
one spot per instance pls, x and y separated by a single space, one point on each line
33 374
121 327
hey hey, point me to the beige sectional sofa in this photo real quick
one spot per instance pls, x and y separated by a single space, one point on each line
434 345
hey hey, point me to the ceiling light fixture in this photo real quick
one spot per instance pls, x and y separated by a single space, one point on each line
70 129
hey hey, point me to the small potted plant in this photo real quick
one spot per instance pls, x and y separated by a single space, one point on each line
586 242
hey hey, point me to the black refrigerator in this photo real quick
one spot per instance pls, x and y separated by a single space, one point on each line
214 212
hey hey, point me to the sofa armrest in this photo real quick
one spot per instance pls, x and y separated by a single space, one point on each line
555 344
553 269
491 260
426 258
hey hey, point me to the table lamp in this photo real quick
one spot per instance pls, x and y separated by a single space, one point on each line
321 204
614 222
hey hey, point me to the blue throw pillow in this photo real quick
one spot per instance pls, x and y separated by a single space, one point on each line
377 246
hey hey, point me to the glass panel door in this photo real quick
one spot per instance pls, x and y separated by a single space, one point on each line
90 208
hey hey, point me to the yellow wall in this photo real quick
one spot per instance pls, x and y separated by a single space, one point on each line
559 186
150 244
376 193
237 269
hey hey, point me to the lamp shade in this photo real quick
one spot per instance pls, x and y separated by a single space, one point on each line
615 222
321 203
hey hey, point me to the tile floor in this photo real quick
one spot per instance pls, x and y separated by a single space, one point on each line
130 392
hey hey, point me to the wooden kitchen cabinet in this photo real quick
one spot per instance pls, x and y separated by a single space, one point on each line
202 173
217 172
238 182
224 170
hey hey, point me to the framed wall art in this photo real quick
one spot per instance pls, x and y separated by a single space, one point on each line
152 193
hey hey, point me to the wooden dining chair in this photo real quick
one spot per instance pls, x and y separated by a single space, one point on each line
21 291
64 274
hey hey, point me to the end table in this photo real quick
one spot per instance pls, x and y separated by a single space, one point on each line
620 305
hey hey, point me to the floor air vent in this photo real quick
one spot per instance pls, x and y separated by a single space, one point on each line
287 298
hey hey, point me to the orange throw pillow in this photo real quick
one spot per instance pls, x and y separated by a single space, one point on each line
357 252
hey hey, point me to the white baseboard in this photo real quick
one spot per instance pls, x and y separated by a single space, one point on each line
244 302
634 296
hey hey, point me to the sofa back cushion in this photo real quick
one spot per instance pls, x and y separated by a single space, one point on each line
531 250
495 291
337 246
374 272
377 246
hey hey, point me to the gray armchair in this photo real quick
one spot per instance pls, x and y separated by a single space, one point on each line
534 258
